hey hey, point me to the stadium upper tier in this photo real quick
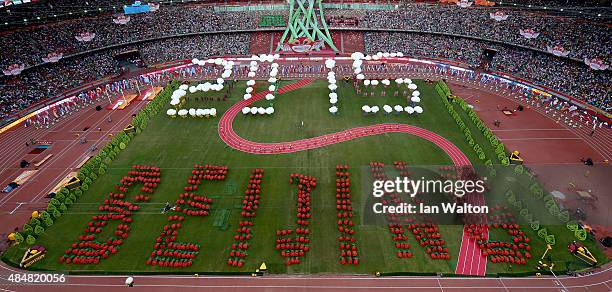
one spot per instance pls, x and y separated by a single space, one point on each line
579 37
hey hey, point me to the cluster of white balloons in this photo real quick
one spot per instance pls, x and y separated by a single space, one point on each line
196 113
389 109
257 110
253 69
227 65
265 57
272 81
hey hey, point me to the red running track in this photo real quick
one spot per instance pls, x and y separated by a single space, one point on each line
470 261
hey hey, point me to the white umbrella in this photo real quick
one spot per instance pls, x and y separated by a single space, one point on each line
399 80
357 55
195 61
387 108
407 80
247 96
418 109
213 111
409 110
183 112
375 109
365 108
271 88
357 63
332 81
360 76
385 82
253 110
246 110
192 89
253 63
129 281
386 55
331 73
192 112
333 95
333 109
330 63
366 82
184 87
375 57
269 96
261 110
203 112
273 73
269 110
358 70
249 89
398 108
393 55
400 54
220 81
272 80
175 102
250 82
171 112
412 86
333 100
416 93
374 82
332 87
415 99
251 74
368 58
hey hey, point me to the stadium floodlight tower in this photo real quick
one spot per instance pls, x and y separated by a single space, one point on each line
306 29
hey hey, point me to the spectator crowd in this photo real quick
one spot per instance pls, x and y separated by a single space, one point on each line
583 38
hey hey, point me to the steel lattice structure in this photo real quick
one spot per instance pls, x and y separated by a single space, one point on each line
308 22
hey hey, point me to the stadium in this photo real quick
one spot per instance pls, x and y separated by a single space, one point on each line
305 144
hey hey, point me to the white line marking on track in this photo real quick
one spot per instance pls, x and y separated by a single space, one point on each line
17 207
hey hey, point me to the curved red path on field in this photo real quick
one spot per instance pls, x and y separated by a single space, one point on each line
229 136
